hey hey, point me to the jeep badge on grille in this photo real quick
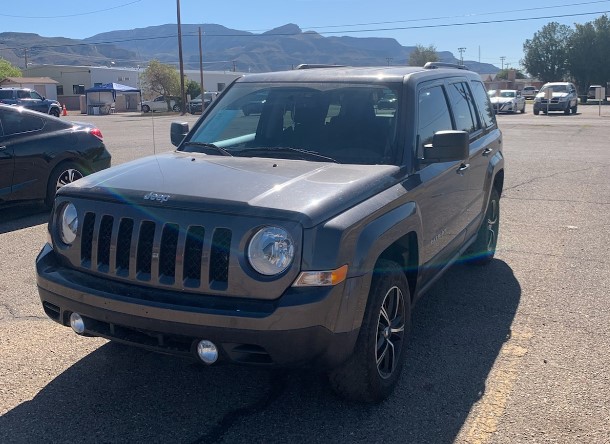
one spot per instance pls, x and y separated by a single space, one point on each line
158 197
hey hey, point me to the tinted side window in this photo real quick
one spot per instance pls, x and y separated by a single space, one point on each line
6 94
16 122
433 115
483 104
463 107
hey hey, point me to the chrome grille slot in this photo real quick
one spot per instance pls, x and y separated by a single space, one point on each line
219 258
193 250
167 254
87 240
103 244
123 247
145 250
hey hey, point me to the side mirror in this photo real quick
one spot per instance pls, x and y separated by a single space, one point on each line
447 146
178 131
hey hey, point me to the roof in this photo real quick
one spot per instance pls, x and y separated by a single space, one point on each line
29 80
352 74
114 87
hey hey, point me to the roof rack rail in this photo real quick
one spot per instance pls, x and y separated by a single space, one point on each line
317 65
436 65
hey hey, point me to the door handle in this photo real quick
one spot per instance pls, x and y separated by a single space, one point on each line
463 167
487 151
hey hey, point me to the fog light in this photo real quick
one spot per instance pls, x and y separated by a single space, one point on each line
77 323
207 351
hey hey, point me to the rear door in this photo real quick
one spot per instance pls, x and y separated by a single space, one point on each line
32 152
485 144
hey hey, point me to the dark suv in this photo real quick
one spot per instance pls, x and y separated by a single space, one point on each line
300 235
28 98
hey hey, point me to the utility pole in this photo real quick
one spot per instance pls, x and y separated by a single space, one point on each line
182 92
461 50
201 68
26 57
502 59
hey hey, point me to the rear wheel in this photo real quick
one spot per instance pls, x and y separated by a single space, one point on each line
62 174
176 108
483 249
372 372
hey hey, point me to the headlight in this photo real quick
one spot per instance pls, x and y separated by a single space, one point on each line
271 251
68 223
563 99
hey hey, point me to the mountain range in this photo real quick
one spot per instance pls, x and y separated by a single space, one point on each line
222 49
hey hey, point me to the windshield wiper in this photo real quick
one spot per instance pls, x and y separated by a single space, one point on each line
275 149
210 146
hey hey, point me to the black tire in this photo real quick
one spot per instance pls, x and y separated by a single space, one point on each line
523 109
176 108
62 174
372 372
567 110
54 112
145 108
536 112
574 109
483 249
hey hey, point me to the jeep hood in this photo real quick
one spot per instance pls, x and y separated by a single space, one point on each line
309 192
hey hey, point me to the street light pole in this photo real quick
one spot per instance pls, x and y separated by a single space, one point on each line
502 59
461 50
182 92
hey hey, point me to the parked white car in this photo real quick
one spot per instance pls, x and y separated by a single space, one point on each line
507 100
160 104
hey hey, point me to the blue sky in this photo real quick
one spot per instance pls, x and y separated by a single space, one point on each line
487 30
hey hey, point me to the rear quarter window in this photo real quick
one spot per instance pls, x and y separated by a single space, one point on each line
486 113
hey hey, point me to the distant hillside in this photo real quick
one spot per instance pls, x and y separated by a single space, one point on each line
223 48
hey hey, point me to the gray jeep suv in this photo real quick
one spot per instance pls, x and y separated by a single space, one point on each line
28 98
556 96
302 234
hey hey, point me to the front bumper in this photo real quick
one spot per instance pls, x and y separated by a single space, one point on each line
553 106
300 328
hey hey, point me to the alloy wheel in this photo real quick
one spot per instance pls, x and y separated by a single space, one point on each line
67 176
390 332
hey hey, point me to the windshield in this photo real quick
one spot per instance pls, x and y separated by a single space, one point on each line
508 93
326 122
555 88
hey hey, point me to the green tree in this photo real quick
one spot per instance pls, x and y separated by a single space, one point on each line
503 75
423 54
161 79
588 52
193 88
545 55
8 70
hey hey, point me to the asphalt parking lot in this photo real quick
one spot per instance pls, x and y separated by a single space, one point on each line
514 352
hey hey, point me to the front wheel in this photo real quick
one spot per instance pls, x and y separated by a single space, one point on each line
54 112
483 249
63 174
574 109
145 108
372 372
536 112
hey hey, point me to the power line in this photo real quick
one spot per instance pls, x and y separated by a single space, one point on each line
445 17
70 15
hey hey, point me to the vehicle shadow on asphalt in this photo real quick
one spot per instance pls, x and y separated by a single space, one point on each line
17 217
121 394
